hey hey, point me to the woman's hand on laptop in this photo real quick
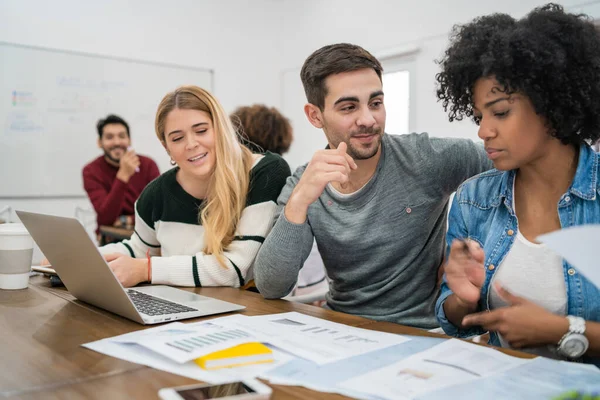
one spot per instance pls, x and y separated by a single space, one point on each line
129 271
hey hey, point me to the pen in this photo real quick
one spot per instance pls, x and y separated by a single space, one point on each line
465 247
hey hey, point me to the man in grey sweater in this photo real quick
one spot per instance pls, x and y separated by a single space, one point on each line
375 203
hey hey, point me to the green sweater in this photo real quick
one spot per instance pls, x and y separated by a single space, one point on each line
167 223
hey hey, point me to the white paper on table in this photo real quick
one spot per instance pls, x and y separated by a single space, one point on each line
579 246
327 377
540 378
173 329
313 338
140 355
205 338
449 363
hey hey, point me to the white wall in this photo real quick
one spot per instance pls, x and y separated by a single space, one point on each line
229 36
255 47
380 26
235 38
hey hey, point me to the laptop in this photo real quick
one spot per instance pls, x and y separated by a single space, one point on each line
87 276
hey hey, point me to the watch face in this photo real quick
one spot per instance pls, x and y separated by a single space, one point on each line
574 346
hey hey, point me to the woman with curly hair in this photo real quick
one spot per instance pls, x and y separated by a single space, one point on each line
533 87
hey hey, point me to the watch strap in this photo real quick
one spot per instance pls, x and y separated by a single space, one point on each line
576 324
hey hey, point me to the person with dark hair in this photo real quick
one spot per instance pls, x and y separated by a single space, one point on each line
533 87
115 180
263 128
375 203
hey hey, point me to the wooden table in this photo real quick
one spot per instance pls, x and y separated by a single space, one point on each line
112 232
43 328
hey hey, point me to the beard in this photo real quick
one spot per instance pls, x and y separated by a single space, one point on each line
368 150
107 153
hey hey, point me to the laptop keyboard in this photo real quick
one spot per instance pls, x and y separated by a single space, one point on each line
150 305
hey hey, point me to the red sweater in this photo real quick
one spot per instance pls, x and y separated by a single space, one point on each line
110 196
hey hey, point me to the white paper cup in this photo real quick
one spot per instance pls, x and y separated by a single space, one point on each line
16 252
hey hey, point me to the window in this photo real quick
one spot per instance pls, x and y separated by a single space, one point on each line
399 88
396 86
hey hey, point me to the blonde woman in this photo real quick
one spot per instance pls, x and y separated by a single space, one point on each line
202 222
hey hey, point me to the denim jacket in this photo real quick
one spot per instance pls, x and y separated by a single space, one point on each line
482 210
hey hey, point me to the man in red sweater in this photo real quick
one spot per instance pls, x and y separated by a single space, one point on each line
115 180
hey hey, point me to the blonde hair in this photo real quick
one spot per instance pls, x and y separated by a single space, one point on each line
228 186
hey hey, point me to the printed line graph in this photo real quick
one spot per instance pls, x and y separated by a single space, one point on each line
193 343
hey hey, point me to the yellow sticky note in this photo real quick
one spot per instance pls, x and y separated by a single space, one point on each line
236 356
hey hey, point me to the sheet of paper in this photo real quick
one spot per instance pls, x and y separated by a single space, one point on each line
325 378
449 363
201 339
315 339
540 378
579 246
171 330
140 355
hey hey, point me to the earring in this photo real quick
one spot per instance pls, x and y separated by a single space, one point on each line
173 162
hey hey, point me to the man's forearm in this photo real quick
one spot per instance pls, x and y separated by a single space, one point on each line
280 258
296 210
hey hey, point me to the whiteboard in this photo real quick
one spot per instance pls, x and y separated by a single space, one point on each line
50 102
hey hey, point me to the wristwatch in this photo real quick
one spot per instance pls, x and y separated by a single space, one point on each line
574 344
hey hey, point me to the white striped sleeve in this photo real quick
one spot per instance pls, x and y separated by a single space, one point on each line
204 270
142 240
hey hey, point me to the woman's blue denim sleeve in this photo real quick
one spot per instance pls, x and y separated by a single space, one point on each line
457 229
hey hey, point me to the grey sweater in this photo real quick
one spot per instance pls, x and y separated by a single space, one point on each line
383 245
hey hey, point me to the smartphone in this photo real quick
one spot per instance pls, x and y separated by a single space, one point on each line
246 390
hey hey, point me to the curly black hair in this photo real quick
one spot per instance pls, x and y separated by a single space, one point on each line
550 56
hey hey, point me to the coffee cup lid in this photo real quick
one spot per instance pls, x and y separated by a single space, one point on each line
13 229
